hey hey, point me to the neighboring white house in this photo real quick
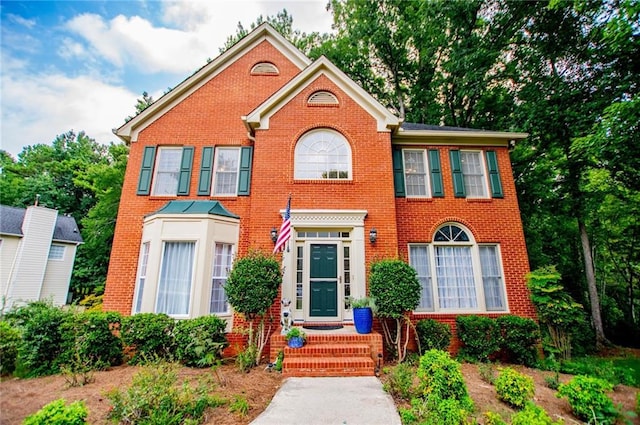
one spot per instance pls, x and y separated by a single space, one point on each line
37 252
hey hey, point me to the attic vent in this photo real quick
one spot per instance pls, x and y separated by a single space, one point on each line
322 98
264 68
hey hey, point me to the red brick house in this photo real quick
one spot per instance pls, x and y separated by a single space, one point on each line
213 162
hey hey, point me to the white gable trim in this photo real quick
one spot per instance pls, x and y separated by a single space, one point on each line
259 117
130 130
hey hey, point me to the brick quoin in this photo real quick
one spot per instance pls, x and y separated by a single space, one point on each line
211 116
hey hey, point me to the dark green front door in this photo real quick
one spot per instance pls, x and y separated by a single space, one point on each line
323 280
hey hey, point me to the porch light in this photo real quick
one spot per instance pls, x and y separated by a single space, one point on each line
274 234
373 235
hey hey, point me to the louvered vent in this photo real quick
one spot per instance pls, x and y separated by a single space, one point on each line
264 68
322 98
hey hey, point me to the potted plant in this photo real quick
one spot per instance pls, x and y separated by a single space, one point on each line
363 311
295 337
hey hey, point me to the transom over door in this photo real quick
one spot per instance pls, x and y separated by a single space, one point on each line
323 281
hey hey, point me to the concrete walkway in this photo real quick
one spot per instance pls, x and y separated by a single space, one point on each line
330 401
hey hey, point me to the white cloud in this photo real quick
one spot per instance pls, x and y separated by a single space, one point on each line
27 23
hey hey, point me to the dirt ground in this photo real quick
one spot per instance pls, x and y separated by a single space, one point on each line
22 397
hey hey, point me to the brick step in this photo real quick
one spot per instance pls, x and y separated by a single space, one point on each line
327 366
312 349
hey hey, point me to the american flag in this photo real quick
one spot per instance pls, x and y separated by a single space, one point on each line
285 229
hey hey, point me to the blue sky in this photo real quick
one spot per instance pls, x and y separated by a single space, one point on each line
81 65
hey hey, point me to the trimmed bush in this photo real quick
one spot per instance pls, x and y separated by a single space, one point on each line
533 415
440 377
520 339
433 335
589 400
480 337
514 388
9 343
150 335
58 413
200 341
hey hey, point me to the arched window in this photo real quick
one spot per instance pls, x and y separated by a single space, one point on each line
322 155
457 274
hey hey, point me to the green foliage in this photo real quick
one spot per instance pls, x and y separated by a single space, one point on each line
588 399
480 337
279 360
9 343
440 377
150 335
400 381
432 335
253 282
552 381
514 388
364 302
155 398
200 341
599 368
519 338
487 372
246 359
239 405
492 418
533 415
394 285
638 403
58 413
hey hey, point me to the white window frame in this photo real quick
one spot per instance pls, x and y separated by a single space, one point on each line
408 172
220 170
476 267
318 152
142 277
224 270
57 252
157 189
182 315
470 190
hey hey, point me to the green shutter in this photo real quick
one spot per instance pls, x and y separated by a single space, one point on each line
437 191
494 174
456 172
184 179
398 173
244 182
146 170
206 168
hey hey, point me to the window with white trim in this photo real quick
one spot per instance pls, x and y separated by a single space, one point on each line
456 274
415 173
222 261
56 252
322 155
176 278
225 180
167 171
474 175
142 277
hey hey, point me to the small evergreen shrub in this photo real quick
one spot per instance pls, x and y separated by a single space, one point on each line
588 399
533 415
480 337
446 411
200 341
514 388
492 418
433 335
519 339
441 378
9 343
155 398
58 413
400 382
150 335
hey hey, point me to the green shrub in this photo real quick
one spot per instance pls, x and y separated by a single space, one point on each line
239 405
400 382
43 341
599 368
492 418
533 415
480 337
57 413
520 337
446 411
487 373
150 335
155 398
440 377
514 388
200 341
88 336
589 400
432 335
9 343
246 359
